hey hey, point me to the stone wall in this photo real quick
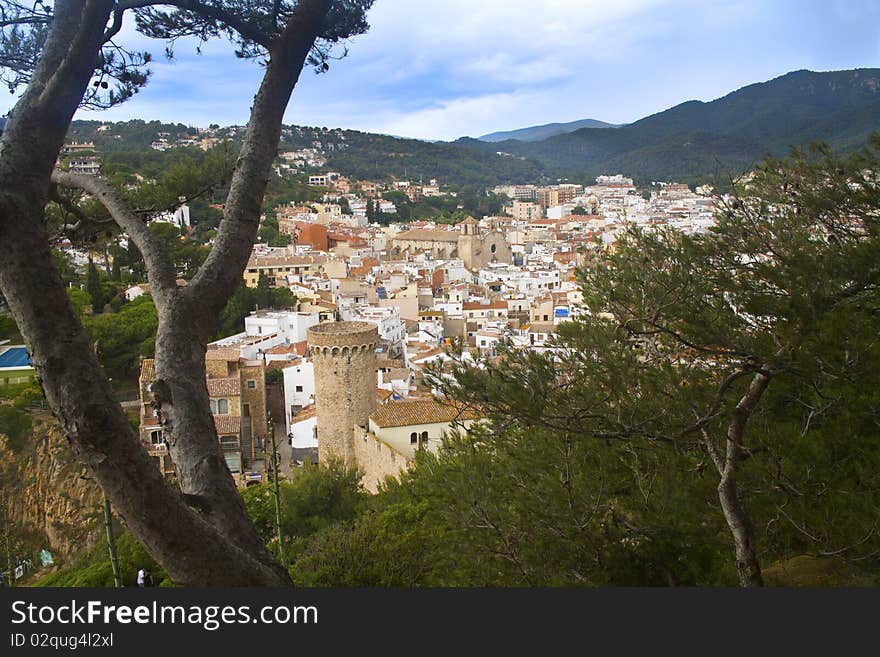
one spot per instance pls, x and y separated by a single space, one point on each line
377 459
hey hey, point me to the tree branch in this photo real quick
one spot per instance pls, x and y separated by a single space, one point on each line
160 269
119 12
245 29
221 272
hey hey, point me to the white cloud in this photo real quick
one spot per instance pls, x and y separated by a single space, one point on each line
445 68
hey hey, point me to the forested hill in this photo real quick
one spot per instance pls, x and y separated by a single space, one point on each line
352 153
371 156
695 141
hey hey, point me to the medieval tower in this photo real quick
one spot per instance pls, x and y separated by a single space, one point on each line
344 357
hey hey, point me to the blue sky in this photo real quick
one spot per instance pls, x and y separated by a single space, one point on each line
440 69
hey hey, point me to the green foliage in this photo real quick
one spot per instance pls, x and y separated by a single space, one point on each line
123 338
94 569
186 254
290 189
369 156
677 329
64 267
274 375
270 235
79 299
394 545
94 288
8 329
15 424
316 498
449 209
245 300
528 508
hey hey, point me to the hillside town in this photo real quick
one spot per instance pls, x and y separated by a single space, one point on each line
426 287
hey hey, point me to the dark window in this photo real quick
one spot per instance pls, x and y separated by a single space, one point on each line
299 388
413 438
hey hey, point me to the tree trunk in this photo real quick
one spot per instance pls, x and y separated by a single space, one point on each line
212 542
748 569
191 550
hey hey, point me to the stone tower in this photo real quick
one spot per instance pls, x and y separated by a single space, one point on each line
344 357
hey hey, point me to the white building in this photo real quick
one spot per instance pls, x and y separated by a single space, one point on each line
299 388
292 327
392 330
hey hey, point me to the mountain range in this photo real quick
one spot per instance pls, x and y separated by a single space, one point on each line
699 141
541 132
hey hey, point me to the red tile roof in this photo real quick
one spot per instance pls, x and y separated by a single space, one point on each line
420 411
227 425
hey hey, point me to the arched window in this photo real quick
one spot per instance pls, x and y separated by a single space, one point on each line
424 439
413 438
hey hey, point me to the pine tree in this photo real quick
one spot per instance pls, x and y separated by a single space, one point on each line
93 287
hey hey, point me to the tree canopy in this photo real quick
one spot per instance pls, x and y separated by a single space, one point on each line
750 351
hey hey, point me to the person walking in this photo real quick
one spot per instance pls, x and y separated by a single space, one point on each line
141 578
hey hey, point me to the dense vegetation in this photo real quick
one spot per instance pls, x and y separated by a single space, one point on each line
370 156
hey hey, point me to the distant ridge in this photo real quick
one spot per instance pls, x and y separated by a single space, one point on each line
540 132
707 141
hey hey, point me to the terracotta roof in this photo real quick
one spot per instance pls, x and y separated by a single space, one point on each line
148 369
281 349
542 327
383 395
419 411
285 261
224 387
222 354
400 373
476 305
227 424
425 235
427 354
305 414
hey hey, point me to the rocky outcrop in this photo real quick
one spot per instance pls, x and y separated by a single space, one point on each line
55 504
